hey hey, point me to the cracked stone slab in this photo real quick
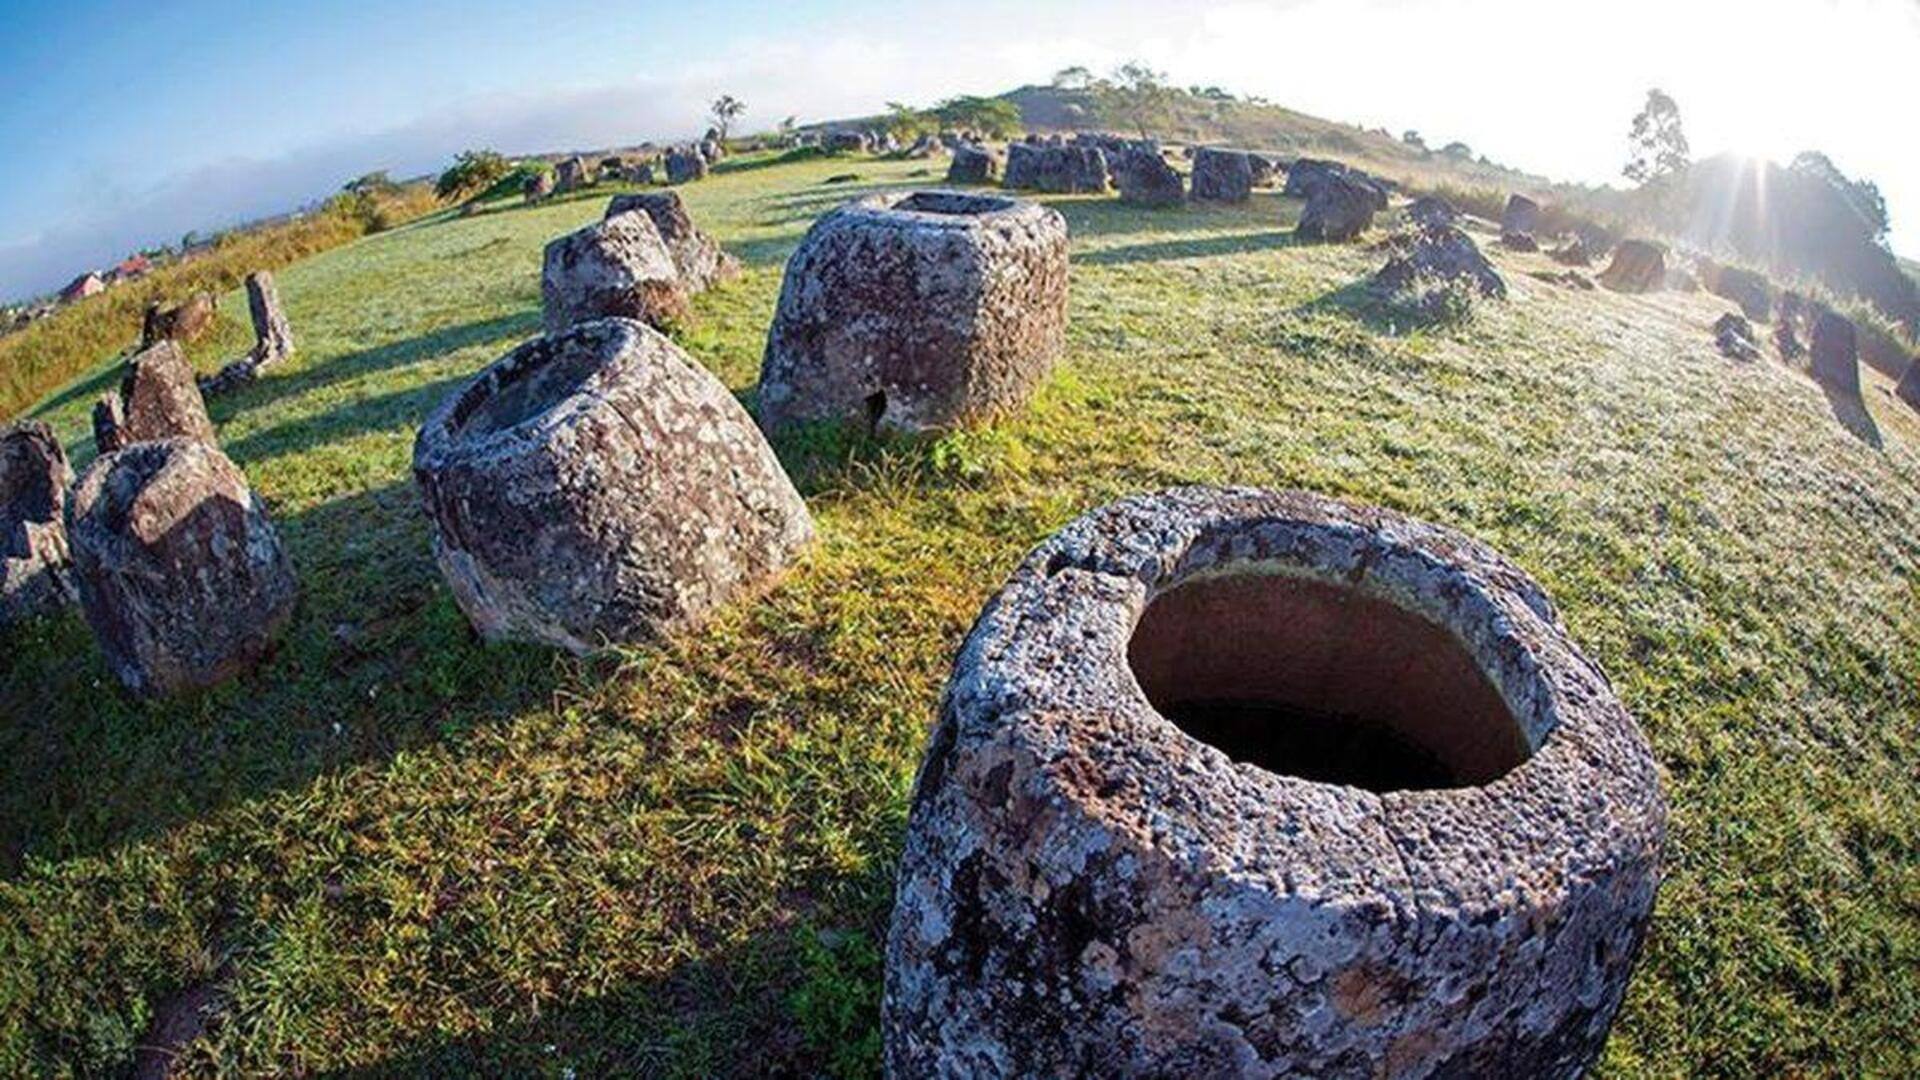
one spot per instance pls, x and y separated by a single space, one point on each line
1088 890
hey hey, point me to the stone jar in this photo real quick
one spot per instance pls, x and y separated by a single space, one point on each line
917 311
1243 783
181 574
598 486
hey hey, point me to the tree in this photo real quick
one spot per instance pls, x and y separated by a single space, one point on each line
1137 96
995 118
1657 145
1073 78
726 109
906 123
1861 196
473 170
1456 149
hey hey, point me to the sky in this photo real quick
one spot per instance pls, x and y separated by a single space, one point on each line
128 124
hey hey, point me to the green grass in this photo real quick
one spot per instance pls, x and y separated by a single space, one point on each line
392 849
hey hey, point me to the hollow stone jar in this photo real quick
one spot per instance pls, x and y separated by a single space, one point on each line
917 311
598 486
1238 783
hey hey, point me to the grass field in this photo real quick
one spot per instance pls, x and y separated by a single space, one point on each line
392 849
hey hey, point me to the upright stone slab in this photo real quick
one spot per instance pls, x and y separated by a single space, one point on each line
700 260
159 399
571 175
1222 175
973 164
1522 215
916 311
36 569
619 266
685 166
1638 266
1835 351
1237 783
272 334
537 186
181 574
598 486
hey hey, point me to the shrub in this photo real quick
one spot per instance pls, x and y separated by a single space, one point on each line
473 170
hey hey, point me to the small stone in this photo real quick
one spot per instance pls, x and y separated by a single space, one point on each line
917 310
181 574
597 486
36 569
185 321
1733 336
1432 212
1441 253
618 266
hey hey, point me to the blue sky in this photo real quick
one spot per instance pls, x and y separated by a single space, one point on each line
128 124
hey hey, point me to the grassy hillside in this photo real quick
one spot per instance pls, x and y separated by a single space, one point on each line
395 850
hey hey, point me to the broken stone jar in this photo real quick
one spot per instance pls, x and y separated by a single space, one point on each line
1243 783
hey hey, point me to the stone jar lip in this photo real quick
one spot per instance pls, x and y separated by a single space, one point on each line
914 209
1045 672
602 347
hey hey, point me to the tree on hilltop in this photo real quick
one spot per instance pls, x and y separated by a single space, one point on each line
1657 143
996 118
726 109
471 171
1073 78
1135 96
1862 196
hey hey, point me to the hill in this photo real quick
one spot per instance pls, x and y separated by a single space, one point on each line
394 850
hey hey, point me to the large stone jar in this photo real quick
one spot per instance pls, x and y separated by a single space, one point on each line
598 486
917 311
1238 783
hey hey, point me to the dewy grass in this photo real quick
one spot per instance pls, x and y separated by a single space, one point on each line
392 849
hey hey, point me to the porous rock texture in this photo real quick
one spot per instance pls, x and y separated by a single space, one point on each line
185 321
1222 175
571 175
1834 351
36 573
973 164
598 486
1056 168
1432 212
1522 215
1638 266
917 311
685 166
1145 179
181 574
700 260
1086 890
1307 175
617 266
1733 336
1338 210
158 399
1438 253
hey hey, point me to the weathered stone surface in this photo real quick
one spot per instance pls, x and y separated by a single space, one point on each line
1835 351
1056 168
917 310
185 321
1338 210
1748 288
1145 179
537 186
1438 253
1572 253
926 146
699 259
1432 212
1638 266
159 399
1733 336
1521 216
36 570
641 174
1519 241
848 142
1458 888
1908 388
272 334
1306 176
1265 169
1572 279
973 164
613 167
685 166
571 175
181 574
711 151
618 266
1222 175
599 486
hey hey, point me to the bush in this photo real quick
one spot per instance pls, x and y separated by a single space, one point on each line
473 170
